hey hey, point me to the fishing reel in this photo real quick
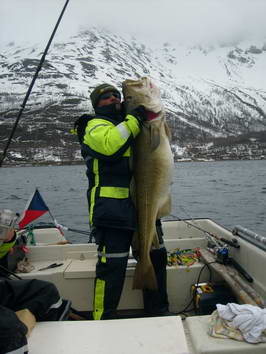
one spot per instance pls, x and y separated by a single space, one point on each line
220 248
222 255
220 252
8 219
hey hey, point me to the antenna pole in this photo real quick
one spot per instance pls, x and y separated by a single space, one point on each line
31 85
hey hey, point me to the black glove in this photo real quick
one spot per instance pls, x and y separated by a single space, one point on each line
139 113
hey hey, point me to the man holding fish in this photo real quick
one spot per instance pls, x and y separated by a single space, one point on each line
110 147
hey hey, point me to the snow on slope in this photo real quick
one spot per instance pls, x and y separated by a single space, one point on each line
219 90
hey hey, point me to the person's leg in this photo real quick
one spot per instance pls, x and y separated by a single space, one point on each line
40 297
12 333
156 301
113 253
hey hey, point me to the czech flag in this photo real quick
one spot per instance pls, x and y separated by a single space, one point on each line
35 208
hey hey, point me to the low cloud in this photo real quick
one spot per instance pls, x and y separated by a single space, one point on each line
168 20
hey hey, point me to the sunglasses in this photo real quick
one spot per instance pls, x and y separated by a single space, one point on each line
107 95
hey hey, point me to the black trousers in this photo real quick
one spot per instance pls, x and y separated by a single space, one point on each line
113 250
38 296
156 302
12 332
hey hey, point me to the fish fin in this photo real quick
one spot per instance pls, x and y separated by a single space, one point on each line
154 137
165 209
155 242
167 131
144 277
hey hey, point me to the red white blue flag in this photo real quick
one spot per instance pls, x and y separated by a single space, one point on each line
35 208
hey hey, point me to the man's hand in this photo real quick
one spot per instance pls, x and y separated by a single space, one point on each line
139 113
10 235
27 318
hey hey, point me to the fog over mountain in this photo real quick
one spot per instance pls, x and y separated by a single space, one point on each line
210 91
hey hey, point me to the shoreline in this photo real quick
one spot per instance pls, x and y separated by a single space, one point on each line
77 163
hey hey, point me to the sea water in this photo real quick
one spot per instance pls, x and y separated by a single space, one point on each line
229 192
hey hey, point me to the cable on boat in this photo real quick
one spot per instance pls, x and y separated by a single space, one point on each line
31 85
193 294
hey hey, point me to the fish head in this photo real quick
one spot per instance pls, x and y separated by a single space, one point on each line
142 92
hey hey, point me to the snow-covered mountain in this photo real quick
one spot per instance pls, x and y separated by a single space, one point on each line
208 92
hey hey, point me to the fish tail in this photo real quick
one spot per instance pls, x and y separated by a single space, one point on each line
144 277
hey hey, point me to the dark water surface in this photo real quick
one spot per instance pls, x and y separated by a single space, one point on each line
230 192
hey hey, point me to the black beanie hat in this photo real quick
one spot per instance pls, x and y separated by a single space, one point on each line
99 90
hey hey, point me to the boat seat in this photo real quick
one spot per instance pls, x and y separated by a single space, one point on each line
202 343
78 269
154 335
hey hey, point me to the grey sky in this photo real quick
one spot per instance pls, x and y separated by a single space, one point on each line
149 20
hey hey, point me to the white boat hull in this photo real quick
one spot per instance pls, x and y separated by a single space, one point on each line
75 278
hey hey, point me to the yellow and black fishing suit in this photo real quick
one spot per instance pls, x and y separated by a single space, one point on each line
106 146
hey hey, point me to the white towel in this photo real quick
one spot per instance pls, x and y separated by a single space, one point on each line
249 319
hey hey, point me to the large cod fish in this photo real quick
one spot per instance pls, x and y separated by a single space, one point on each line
153 169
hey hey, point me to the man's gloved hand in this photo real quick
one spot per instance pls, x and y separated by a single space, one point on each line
139 113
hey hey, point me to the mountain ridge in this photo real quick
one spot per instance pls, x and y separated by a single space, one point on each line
208 92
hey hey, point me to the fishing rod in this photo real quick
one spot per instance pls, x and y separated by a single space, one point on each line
79 231
221 253
32 84
230 243
61 227
66 228
8 271
221 239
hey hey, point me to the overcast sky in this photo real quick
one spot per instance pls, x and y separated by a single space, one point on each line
163 20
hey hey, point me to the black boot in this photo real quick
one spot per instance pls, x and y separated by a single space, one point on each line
156 301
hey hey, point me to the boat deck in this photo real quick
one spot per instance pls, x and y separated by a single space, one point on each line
141 335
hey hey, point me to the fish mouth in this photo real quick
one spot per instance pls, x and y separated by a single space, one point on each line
152 115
